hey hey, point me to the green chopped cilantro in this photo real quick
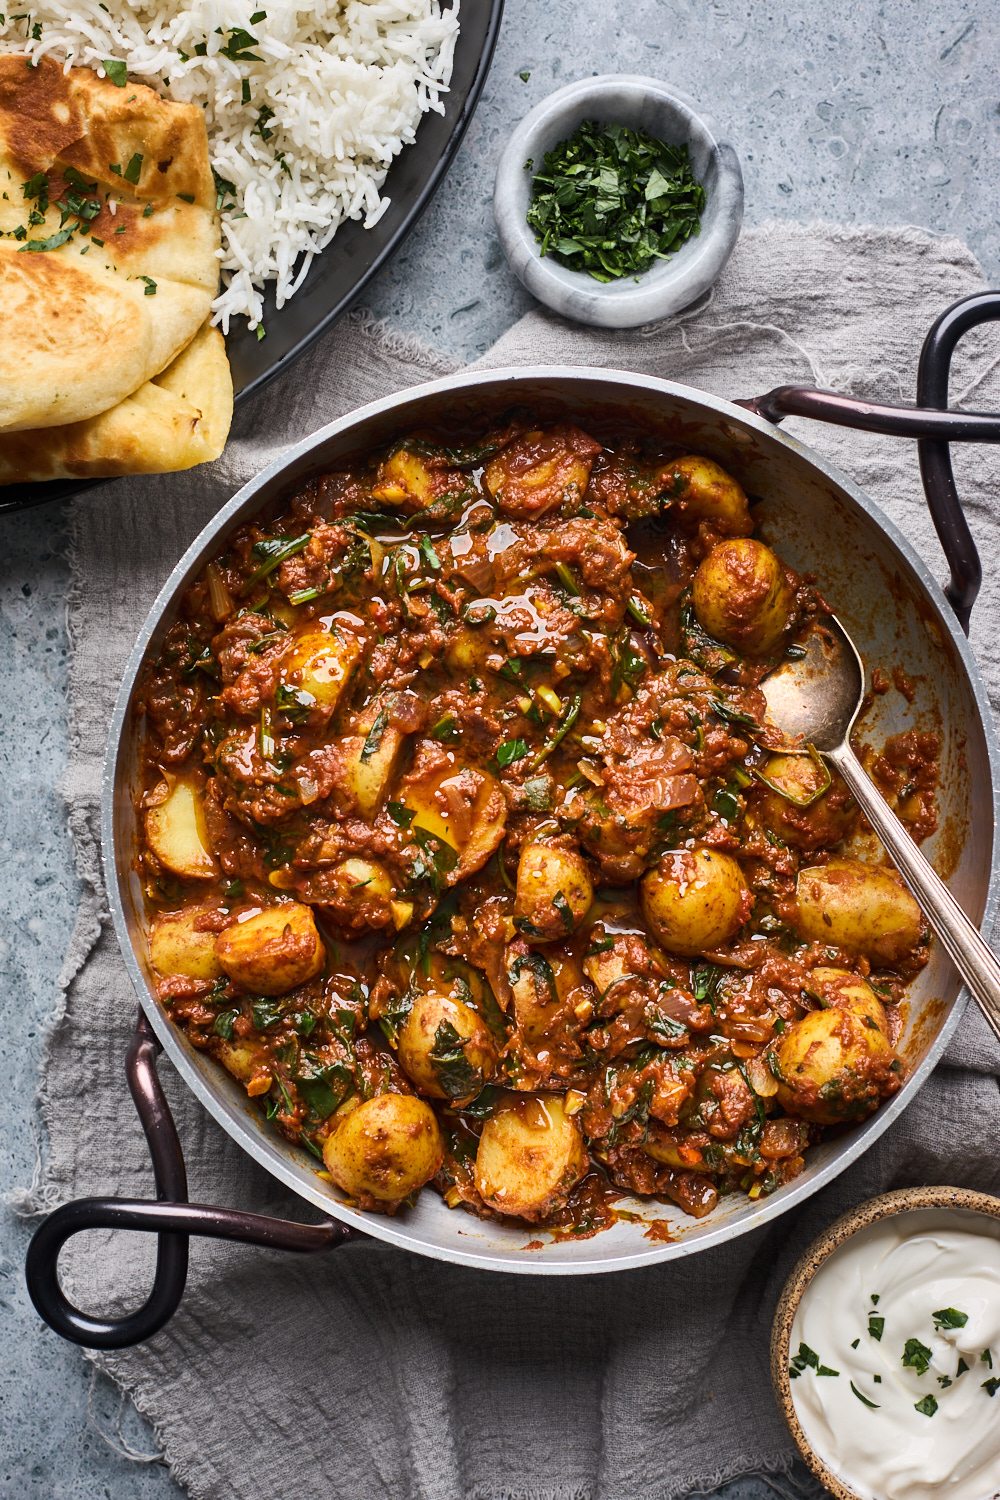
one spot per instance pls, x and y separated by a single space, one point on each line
612 201
949 1317
150 286
873 1404
927 1407
917 1356
876 1327
510 751
116 70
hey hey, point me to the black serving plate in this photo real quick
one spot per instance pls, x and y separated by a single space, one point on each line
338 276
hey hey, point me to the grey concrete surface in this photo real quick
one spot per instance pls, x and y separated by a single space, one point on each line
844 110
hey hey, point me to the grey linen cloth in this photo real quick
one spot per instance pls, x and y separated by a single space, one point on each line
370 1372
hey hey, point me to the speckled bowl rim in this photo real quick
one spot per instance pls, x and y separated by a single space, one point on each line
662 291
872 1211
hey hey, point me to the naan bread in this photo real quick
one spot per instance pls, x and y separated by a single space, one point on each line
89 321
178 419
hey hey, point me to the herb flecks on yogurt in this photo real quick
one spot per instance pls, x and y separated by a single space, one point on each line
924 1429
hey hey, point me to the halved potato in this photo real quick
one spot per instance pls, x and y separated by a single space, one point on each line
321 663
272 951
176 948
531 1155
176 831
370 761
463 808
840 988
743 596
705 492
446 1049
385 1149
541 983
247 1061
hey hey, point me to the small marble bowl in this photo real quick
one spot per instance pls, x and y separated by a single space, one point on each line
667 286
887 1206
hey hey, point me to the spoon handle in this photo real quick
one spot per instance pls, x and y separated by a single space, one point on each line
966 949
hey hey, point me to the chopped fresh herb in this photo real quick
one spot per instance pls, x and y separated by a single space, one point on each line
917 1356
236 50
223 1024
992 1385
510 751
246 91
949 1317
875 1299
876 1327
962 1367
452 1069
805 1356
611 201
944 1381
446 729
663 1027
400 814
260 332
877 1379
987 1358
186 197
727 805
258 15
263 115
428 554
266 1012
374 737
927 1407
95 241
150 286
564 724
147 212
272 552
524 76
116 70
224 189
562 906
133 170
873 1404
52 243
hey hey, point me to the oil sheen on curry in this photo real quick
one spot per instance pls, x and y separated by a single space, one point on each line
468 854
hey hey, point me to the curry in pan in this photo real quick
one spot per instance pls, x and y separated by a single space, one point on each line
469 853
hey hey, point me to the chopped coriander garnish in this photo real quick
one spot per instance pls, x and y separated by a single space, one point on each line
944 1381
987 1358
992 1385
116 71
95 241
147 211
611 201
927 1407
134 168
917 1356
260 332
186 197
150 286
962 1367
258 15
855 1343
875 1299
246 91
949 1317
877 1379
52 243
524 76
876 1327
873 1404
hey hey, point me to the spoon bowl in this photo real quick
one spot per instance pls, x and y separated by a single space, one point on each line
813 702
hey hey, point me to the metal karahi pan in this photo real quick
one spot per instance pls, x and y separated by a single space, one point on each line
891 605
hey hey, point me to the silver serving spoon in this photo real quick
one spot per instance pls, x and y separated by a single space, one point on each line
815 701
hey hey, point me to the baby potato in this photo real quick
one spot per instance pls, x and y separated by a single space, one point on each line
446 1049
321 663
865 909
385 1149
743 596
666 1146
821 823
176 831
247 1061
273 951
704 491
834 1065
695 899
370 763
531 1155
840 989
360 896
554 892
540 986
176 948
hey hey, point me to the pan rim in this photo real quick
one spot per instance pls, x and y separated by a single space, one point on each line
242 1128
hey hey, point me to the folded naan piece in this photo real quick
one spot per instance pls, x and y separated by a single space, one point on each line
176 420
109 239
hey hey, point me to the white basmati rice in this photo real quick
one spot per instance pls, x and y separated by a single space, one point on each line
334 90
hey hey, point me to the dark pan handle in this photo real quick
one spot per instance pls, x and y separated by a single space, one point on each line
930 422
171 1218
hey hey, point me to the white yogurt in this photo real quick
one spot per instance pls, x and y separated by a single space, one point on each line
903 1270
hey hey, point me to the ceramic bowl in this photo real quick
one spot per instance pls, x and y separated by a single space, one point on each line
906 1200
669 285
